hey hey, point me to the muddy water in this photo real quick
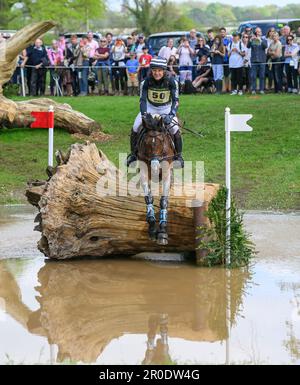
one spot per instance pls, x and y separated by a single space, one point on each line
120 311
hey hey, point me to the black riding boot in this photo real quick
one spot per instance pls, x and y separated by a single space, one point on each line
132 157
178 148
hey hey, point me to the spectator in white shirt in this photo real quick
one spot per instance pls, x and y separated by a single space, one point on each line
168 50
236 52
291 63
139 45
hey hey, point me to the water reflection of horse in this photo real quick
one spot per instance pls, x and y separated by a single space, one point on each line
157 349
156 152
84 305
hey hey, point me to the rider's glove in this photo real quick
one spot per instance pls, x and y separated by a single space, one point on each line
168 119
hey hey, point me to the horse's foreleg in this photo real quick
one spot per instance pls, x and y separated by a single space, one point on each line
150 216
162 237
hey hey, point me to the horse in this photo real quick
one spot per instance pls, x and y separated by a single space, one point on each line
155 153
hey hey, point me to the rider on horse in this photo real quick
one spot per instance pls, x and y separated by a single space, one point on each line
159 95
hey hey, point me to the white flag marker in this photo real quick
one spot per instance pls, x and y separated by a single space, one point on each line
232 123
239 122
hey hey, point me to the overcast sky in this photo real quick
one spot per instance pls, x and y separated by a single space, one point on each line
115 4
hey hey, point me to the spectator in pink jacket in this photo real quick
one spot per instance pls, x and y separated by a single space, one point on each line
55 54
56 59
92 43
62 42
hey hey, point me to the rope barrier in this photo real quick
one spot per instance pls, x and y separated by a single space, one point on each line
72 68
126 67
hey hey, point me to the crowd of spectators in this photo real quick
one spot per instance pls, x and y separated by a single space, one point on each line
218 63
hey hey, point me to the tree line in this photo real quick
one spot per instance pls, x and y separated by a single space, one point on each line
147 16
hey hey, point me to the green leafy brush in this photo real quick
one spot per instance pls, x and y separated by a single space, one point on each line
10 89
213 239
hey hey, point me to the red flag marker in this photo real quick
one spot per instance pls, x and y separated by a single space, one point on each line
43 119
46 120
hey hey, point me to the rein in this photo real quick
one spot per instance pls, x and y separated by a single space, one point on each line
182 127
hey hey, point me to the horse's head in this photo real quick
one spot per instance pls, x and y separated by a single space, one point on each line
156 144
153 122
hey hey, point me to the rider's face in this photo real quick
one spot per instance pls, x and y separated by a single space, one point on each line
158 73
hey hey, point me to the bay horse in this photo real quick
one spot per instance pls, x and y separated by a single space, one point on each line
155 153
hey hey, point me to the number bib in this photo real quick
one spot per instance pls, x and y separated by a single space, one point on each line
159 97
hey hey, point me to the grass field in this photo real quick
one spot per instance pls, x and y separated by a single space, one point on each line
265 162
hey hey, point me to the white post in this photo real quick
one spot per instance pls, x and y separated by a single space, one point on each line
50 141
228 184
23 82
228 314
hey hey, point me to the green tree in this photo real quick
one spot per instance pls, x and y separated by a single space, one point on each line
112 19
173 19
149 14
256 13
219 14
183 23
198 15
67 13
90 9
290 10
6 13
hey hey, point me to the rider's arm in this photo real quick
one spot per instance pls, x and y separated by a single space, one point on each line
143 97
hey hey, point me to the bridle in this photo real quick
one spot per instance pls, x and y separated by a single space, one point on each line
154 133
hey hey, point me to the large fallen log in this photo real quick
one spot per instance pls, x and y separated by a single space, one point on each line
17 114
76 220
64 116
